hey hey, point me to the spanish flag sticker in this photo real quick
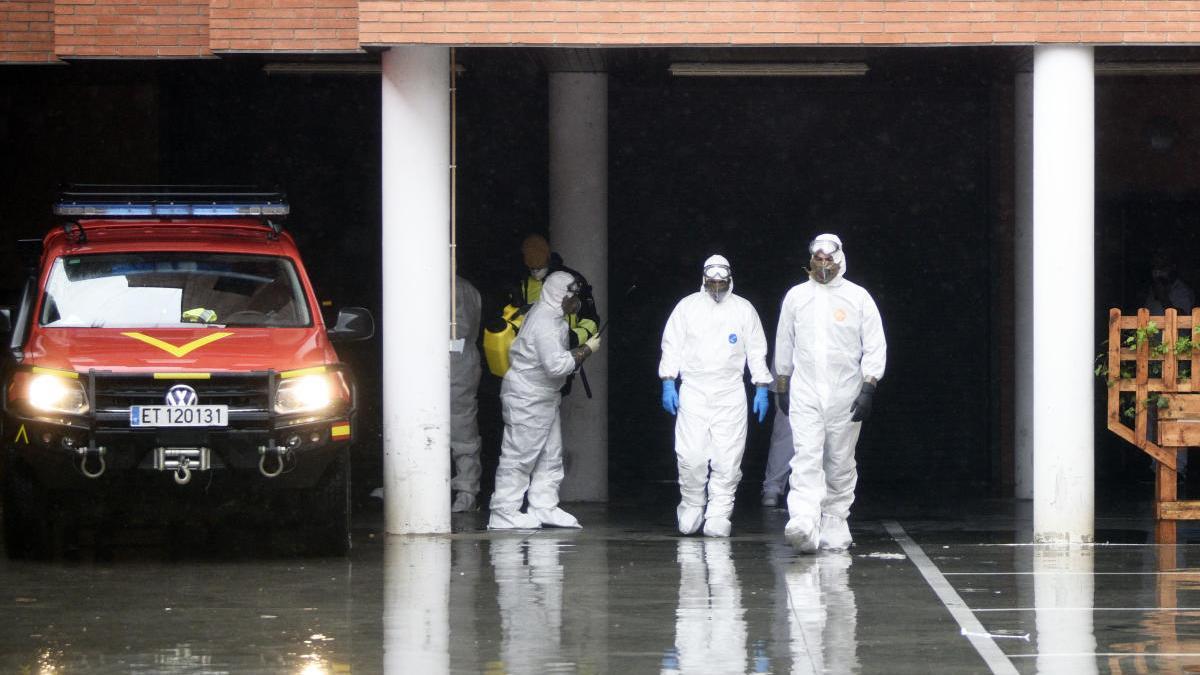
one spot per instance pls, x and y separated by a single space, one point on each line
340 432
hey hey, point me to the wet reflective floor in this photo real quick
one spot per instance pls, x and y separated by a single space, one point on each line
950 592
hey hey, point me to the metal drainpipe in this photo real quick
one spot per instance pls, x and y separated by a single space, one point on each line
453 196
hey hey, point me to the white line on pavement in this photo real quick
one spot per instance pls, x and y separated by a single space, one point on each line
1057 573
1131 655
969 625
981 610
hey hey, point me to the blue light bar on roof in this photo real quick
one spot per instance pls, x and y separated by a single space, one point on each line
135 209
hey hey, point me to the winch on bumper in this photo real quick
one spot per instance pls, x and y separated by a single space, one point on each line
250 438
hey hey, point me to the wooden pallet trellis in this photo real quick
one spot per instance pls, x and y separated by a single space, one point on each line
1179 422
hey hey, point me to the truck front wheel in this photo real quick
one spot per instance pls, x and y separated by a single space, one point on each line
327 526
28 531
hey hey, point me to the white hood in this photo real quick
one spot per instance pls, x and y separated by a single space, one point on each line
554 289
717 260
839 257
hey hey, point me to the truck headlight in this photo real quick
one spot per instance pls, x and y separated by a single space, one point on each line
310 393
47 392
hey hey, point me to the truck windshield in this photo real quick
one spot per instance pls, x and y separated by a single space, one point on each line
148 290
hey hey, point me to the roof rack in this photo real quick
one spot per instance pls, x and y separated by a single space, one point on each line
169 201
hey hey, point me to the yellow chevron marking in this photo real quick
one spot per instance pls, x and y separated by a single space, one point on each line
21 434
182 350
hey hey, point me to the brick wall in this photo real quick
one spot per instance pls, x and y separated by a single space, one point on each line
284 25
45 30
131 28
26 31
743 22
39 30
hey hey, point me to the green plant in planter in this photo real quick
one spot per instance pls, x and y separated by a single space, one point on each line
1157 401
1188 343
1140 335
1101 369
1184 346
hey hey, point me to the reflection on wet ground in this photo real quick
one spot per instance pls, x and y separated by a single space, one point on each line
956 593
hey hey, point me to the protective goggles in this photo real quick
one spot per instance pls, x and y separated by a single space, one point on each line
573 288
826 246
717 273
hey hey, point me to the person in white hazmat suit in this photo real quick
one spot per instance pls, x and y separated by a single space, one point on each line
531 450
465 443
710 338
829 354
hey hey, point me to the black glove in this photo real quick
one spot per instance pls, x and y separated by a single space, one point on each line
783 383
862 405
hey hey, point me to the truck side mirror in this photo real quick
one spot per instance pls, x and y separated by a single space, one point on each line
5 320
353 323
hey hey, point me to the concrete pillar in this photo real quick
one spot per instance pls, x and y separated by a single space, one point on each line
1064 592
579 231
1064 313
415 325
416 605
1023 291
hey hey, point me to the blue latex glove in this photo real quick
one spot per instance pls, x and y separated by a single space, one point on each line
670 396
761 402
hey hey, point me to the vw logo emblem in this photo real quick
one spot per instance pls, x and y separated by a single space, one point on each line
181 394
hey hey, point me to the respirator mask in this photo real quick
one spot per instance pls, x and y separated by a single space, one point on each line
822 268
717 281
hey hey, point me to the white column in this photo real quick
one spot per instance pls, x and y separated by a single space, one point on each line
416 289
1064 592
416 605
1023 291
579 231
1063 294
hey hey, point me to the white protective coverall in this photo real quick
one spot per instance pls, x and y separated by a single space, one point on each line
531 450
822 614
464 406
710 622
829 341
529 591
709 344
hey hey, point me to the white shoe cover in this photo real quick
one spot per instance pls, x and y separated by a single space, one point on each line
463 502
804 534
513 520
835 533
716 527
554 517
690 518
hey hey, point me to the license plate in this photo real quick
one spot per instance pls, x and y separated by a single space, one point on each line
179 416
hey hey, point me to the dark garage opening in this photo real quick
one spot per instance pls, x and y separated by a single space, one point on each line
911 165
899 164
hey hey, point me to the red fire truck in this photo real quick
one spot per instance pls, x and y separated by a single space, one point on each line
168 355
